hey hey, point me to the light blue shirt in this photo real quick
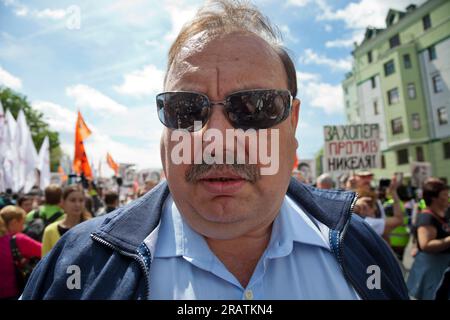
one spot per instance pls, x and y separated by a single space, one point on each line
297 263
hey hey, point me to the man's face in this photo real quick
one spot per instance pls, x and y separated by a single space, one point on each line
363 182
27 205
217 68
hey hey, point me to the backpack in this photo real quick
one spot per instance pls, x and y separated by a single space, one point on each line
35 228
22 266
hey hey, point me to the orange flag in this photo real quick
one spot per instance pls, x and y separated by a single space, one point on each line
295 162
62 174
80 160
112 164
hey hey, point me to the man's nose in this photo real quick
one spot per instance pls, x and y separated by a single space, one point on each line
218 120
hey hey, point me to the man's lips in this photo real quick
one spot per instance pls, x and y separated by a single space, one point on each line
222 183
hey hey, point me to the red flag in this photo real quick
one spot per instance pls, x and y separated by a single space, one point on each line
80 160
112 164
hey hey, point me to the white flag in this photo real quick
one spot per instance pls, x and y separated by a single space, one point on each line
44 164
3 131
3 147
11 158
28 157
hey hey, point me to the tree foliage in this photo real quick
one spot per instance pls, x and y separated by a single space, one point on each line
14 102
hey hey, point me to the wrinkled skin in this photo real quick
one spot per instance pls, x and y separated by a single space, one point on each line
217 68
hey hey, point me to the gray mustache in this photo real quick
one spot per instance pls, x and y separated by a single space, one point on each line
249 172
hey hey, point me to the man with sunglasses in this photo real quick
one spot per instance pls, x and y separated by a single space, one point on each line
225 230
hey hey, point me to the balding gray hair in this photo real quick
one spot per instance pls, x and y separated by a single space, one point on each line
220 17
325 179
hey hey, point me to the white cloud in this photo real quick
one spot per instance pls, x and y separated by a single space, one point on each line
8 80
287 34
298 3
179 15
59 118
22 10
311 57
320 95
18 8
306 76
142 82
359 15
88 97
346 42
55 14
325 96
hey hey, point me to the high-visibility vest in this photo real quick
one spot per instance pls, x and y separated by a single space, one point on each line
399 237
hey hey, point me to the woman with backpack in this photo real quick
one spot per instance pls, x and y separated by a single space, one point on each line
73 204
18 252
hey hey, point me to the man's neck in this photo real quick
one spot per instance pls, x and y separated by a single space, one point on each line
241 255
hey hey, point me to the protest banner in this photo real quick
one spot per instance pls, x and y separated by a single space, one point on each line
420 171
307 168
351 147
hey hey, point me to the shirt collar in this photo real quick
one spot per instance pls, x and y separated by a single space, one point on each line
174 237
293 225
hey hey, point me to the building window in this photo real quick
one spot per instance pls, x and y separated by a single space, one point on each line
397 126
369 57
375 108
393 96
419 154
442 115
426 22
346 90
431 53
446 146
373 82
389 68
394 41
407 61
438 85
415 121
347 104
383 162
402 156
411 91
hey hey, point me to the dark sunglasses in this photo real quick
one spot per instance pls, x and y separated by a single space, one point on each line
250 109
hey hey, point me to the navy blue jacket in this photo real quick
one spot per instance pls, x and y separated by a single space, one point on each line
114 262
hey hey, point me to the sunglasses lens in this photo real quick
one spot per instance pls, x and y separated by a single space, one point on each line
258 109
179 110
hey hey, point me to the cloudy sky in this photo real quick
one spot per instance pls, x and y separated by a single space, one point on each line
110 63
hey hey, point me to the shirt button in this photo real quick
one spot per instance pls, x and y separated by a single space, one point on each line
249 295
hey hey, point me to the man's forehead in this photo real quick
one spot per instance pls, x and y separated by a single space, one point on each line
223 48
234 53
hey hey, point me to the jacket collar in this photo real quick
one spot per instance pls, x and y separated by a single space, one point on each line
128 226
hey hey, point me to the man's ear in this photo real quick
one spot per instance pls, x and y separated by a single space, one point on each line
295 110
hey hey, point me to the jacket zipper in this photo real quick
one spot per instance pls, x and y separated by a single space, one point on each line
360 292
136 257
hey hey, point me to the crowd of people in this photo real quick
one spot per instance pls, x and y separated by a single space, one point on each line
31 224
414 222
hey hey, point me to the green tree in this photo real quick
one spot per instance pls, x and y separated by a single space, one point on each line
14 102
